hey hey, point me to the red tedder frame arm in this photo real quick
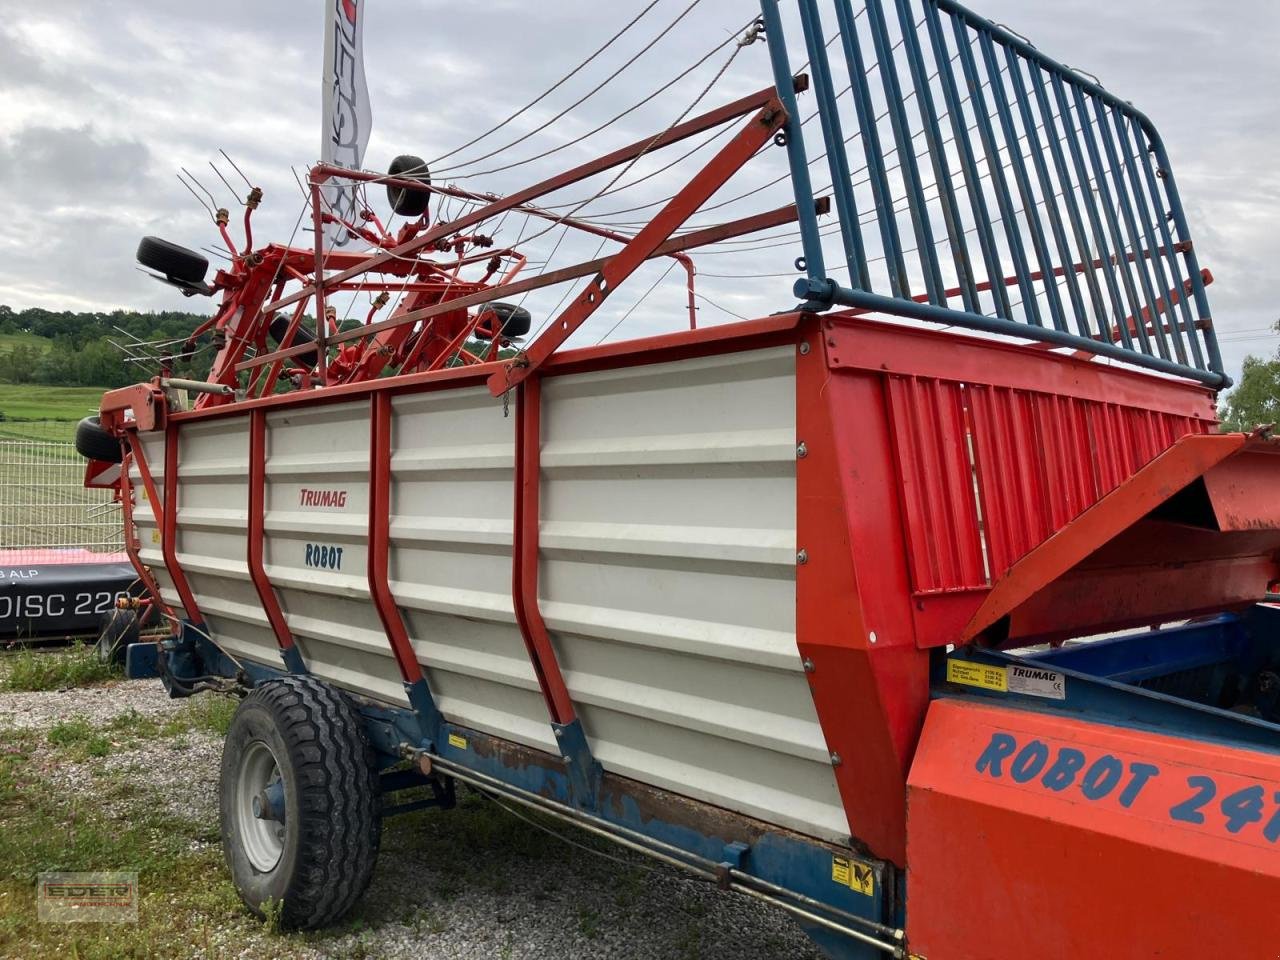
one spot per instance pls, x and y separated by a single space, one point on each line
768 121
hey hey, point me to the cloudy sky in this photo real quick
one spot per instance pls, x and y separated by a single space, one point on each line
102 103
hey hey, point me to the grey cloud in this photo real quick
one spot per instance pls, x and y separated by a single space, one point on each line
149 86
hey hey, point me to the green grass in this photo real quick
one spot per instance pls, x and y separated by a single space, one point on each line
205 713
79 739
38 402
10 340
182 883
75 666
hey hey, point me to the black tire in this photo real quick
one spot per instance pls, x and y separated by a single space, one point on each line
325 782
94 443
511 320
277 329
406 202
175 262
119 630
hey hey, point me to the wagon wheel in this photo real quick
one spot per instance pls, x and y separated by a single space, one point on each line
299 802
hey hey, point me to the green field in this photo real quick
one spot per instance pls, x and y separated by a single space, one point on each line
34 402
10 340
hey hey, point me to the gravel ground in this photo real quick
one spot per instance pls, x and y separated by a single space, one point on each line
472 883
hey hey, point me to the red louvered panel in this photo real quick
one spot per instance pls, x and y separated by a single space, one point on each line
1024 463
936 482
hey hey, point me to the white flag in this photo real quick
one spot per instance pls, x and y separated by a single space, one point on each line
347 118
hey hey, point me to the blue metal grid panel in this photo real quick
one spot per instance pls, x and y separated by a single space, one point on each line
1037 203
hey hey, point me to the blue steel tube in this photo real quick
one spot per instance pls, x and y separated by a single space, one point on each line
938 154
1023 181
1145 216
829 291
998 183
1184 233
797 159
964 146
1095 221
906 154
1120 263
1083 251
1060 72
899 285
1128 222
837 159
1166 239
1051 211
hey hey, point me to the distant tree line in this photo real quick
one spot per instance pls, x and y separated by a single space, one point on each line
81 348
1255 401
79 352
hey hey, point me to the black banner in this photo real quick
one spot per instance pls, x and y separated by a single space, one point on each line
42 600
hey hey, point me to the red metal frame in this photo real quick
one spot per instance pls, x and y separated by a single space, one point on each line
380 539
256 532
254 286
165 512
863 625
853 628
770 119
524 553
132 547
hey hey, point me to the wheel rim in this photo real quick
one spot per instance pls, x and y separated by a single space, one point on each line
262 835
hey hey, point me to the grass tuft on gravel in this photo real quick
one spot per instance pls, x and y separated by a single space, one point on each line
77 738
34 670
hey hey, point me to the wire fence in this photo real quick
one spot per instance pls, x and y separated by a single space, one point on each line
46 514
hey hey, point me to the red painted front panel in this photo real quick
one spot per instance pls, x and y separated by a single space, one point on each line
1134 846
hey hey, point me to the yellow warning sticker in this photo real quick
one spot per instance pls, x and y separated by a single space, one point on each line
978 675
143 491
857 876
155 536
457 741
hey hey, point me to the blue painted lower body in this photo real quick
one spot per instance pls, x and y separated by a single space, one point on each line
826 880
1215 679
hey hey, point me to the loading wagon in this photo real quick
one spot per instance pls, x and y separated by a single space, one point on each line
934 619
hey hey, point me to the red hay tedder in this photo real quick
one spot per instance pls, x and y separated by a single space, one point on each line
951 643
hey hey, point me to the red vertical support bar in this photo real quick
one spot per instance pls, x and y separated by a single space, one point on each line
380 539
524 553
379 569
169 538
256 531
131 547
166 511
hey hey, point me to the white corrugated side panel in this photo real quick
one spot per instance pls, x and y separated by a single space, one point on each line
668 581
213 500
213 458
667 570
451 507
325 450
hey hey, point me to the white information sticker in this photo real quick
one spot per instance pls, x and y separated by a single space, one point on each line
1034 682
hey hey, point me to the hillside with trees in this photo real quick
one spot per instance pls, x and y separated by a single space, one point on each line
74 349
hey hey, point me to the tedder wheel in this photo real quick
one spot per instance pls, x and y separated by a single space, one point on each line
508 319
119 631
93 442
299 802
175 262
408 203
